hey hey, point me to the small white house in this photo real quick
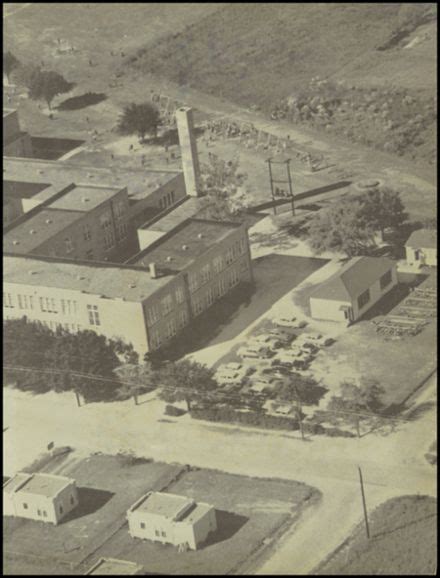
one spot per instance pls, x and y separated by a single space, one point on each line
354 289
421 248
43 497
171 519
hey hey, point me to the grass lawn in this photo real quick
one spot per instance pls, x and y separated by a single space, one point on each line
108 486
403 541
249 511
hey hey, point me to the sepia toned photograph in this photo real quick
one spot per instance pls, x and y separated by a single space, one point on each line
219 288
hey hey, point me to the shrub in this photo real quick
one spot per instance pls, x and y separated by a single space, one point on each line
228 414
173 410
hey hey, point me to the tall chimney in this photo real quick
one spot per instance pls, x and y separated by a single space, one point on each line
188 150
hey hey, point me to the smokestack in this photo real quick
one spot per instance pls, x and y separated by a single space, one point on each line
153 272
188 150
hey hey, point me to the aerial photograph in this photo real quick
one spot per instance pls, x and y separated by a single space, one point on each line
219 288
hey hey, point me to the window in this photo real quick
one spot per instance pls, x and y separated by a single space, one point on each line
89 254
106 225
87 232
172 196
42 307
164 534
218 264
68 244
244 265
183 318
385 280
7 300
22 301
167 304
153 314
242 246
180 295
72 500
120 220
229 256
31 302
363 298
205 273
171 328
25 506
194 282
157 532
93 315
44 514
61 509
142 525
39 512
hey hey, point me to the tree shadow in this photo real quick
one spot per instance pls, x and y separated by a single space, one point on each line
170 137
90 500
82 101
228 524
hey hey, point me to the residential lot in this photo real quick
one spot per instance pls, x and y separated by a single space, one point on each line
108 486
249 511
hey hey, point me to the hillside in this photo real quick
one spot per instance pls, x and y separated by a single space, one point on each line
262 54
403 542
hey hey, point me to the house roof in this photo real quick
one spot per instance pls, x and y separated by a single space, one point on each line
47 485
357 275
99 279
113 567
422 239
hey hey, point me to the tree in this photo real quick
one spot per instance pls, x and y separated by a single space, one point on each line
10 63
135 379
139 119
382 209
222 185
185 380
24 74
340 228
46 84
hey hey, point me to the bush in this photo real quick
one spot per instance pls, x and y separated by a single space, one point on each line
226 413
173 410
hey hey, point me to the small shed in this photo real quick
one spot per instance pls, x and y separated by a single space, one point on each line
421 248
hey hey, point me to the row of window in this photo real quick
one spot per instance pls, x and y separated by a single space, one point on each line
365 297
156 311
167 200
171 328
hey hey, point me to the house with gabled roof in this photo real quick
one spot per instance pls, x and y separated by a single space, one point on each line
354 289
421 248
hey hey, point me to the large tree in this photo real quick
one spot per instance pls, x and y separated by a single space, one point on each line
338 228
135 380
46 84
185 380
10 63
382 208
140 119
222 186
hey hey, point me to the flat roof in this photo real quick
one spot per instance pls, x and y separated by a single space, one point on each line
85 198
29 234
113 567
104 280
13 483
182 245
47 485
187 209
161 504
139 182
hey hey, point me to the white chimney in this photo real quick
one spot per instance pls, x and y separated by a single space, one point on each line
153 272
188 150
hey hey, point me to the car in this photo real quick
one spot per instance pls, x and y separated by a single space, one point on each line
329 341
255 351
263 339
282 335
311 347
286 321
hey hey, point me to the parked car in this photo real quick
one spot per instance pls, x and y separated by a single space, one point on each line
290 322
255 351
312 347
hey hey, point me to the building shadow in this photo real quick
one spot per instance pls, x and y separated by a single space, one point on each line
51 149
228 524
90 500
82 101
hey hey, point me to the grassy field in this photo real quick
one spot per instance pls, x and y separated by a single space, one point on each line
403 542
107 487
248 512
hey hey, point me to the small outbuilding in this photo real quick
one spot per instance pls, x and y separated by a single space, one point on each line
171 519
354 289
421 248
39 496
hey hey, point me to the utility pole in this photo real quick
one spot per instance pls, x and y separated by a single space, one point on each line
367 527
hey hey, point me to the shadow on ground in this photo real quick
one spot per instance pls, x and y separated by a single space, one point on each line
90 500
82 101
228 524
